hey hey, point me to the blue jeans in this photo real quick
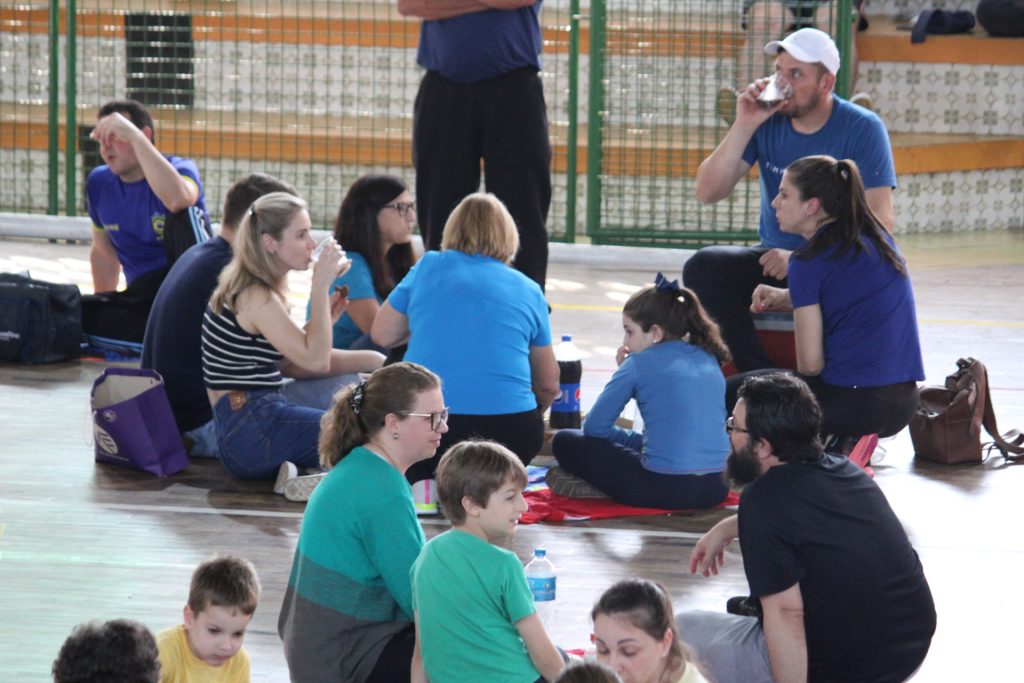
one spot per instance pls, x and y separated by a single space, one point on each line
255 438
204 441
318 392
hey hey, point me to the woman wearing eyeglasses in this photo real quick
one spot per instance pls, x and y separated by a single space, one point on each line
347 612
482 326
374 225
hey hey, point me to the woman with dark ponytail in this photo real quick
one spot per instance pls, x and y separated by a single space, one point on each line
853 307
670 362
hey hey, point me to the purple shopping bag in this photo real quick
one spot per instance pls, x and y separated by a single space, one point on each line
133 424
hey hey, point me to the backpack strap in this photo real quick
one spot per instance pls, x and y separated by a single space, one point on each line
1010 444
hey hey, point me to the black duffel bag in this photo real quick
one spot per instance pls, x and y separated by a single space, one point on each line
40 322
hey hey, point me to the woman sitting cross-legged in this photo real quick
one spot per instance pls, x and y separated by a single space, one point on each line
670 362
347 613
250 342
482 326
853 306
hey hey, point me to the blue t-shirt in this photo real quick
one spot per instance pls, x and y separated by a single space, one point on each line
680 391
473 320
868 316
172 345
360 286
134 216
851 132
480 45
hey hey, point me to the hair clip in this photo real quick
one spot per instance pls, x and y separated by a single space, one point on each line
356 400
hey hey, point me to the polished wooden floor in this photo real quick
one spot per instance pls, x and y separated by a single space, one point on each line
80 541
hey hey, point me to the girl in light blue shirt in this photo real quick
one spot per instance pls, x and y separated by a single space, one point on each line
670 363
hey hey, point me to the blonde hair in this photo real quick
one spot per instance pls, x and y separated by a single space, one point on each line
359 411
481 224
251 264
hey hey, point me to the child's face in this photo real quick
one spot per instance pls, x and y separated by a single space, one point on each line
215 635
501 515
635 339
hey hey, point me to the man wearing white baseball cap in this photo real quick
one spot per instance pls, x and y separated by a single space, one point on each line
809 119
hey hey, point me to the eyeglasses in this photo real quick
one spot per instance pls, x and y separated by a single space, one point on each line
437 418
403 208
730 426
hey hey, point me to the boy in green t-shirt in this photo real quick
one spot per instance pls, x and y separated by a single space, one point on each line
475 617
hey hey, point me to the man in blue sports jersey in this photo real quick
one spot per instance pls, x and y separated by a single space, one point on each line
481 99
812 120
146 209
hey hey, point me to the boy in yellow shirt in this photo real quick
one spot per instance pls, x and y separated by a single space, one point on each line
207 648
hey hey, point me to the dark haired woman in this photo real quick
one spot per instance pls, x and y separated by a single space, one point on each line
853 307
374 226
636 635
670 362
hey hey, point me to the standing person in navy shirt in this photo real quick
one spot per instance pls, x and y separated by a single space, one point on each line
670 363
482 99
853 307
146 209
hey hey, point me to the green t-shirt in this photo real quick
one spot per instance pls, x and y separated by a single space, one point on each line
468 594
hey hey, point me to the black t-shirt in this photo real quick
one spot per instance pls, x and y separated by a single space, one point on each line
868 611
173 331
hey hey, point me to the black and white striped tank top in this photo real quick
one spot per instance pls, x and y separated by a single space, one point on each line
235 359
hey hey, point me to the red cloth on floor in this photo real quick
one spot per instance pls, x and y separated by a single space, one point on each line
551 507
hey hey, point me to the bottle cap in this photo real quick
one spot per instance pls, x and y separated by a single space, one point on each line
540 552
566 337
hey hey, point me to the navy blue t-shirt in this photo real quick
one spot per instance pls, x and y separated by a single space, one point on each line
869 320
174 330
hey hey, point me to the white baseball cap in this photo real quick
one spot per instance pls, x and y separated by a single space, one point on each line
808 45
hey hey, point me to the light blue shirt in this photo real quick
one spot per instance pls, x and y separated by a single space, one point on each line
359 279
680 391
473 320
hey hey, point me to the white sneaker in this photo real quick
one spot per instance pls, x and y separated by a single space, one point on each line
286 472
299 489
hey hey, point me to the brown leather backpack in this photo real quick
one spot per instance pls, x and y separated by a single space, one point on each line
947 425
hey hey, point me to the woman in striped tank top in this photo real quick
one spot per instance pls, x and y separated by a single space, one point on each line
250 342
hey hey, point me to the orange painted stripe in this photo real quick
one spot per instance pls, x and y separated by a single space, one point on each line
360 146
941 50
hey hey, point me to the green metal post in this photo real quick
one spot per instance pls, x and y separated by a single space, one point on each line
53 140
70 119
571 135
844 40
595 122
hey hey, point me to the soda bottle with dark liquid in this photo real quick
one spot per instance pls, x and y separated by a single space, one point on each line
565 411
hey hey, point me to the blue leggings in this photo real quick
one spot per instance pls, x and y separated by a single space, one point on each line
617 470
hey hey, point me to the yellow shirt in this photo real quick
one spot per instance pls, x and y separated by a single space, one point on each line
179 665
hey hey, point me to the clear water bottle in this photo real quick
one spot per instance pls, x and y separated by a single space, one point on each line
565 411
540 574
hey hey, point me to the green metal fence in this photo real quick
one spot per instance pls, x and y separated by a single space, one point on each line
320 91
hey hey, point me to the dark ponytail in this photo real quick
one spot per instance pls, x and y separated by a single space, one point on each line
837 185
678 311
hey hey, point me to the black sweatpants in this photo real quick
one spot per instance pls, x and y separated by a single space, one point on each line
501 121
